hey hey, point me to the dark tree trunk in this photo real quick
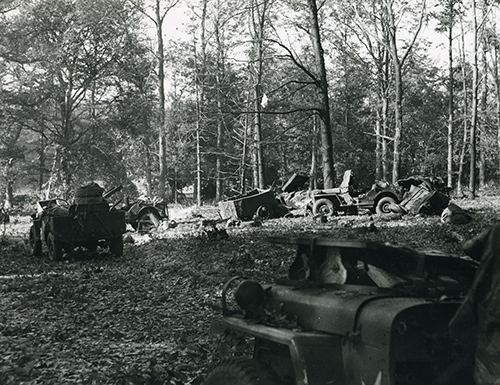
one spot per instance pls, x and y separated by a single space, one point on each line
41 163
259 15
472 174
162 156
497 91
484 100
450 94
314 157
324 101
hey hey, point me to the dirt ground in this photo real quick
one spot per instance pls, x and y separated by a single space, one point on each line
145 318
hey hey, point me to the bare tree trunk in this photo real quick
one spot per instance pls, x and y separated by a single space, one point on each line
398 117
9 184
219 76
398 90
244 150
218 160
378 141
465 114
258 169
314 149
472 175
397 64
41 163
385 118
149 176
161 102
200 97
258 18
450 94
324 101
497 91
484 102
53 172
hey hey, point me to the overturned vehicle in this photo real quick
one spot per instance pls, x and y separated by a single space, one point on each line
351 312
89 221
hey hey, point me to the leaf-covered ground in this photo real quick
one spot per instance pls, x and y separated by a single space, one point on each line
145 318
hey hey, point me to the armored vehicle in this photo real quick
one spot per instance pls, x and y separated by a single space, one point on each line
88 222
351 313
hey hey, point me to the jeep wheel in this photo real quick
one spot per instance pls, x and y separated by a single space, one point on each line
54 247
35 244
384 205
240 372
325 207
264 211
147 222
116 246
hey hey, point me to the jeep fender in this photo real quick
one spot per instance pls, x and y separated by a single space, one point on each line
384 194
316 358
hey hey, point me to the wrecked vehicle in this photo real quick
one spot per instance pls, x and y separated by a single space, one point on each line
350 312
260 203
87 222
412 195
142 214
346 199
424 195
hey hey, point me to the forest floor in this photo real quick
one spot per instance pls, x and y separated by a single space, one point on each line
145 318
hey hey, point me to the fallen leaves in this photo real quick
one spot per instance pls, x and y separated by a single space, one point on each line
144 319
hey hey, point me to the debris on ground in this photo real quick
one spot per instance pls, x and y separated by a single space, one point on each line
209 230
107 320
454 214
231 222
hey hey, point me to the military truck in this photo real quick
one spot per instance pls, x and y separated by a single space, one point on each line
90 221
351 313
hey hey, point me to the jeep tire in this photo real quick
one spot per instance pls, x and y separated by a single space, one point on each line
325 207
240 372
264 211
147 222
384 205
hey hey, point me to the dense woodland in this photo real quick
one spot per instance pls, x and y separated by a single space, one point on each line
245 93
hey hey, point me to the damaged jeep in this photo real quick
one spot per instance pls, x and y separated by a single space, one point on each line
350 313
89 221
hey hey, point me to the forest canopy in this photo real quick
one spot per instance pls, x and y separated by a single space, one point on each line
245 93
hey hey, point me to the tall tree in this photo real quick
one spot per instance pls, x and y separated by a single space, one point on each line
258 22
71 48
156 11
473 129
398 61
465 115
496 77
323 97
483 122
